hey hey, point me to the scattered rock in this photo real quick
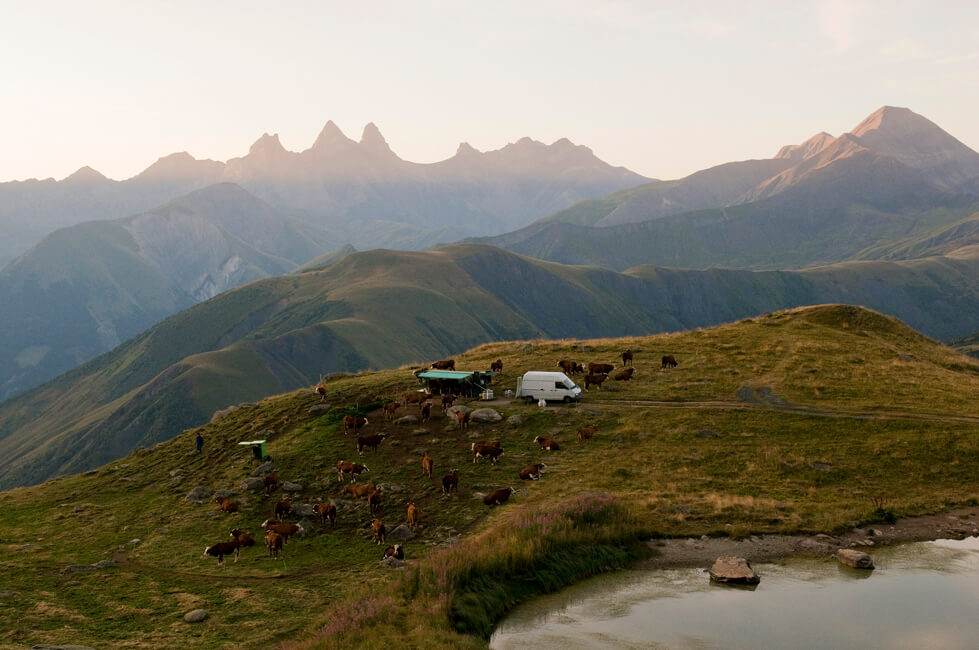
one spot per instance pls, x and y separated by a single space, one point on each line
27 547
225 494
589 410
459 408
199 494
101 564
263 469
400 534
733 570
289 486
562 410
554 432
874 532
303 509
821 467
253 483
390 487
135 541
46 646
707 433
392 563
906 358
514 421
177 472
223 412
195 616
485 415
316 408
407 419
855 559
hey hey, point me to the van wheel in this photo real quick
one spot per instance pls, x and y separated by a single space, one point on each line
567 399
529 399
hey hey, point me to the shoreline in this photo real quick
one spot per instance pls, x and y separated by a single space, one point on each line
689 552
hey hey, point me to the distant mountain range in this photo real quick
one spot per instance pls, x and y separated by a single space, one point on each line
386 308
360 193
895 177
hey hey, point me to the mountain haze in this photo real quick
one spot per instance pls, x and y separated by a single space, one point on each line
383 308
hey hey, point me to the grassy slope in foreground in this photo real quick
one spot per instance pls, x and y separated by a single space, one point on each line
698 464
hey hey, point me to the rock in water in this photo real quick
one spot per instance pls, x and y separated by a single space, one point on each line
734 571
855 559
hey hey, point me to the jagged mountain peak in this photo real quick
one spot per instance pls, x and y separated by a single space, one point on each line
331 138
372 140
466 149
86 175
810 147
267 144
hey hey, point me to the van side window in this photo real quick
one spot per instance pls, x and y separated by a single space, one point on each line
559 385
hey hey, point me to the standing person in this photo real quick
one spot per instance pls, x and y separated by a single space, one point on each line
200 443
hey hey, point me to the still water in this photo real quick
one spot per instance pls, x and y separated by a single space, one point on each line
923 595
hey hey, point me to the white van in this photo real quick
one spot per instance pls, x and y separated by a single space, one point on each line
554 386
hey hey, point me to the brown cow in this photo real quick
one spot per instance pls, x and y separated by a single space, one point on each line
487 449
243 538
359 490
547 444
282 507
532 472
271 481
412 516
389 410
374 501
427 465
463 418
426 411
624 375
226 504
450 481
283 529
497 366
321 391
600 368
274 541
396 551
627 358
350 467
568 366
445 364
369 442
498 497
416 397
585 433
352 423
378 531
326 511
668 362
595 380
447 400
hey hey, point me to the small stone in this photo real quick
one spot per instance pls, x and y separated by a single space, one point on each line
195 616
289 486
253 483
225 494
707 433
855 559
407 419
263 469
514 421
589 410
198 494
392 563
316 408
302 509
135 541
821 467
733 570
400 534
70 646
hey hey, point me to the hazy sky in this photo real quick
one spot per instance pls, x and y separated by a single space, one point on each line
664 88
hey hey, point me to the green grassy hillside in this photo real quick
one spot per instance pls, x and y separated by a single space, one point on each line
804 420
381 309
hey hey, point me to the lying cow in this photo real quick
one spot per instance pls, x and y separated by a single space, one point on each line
532 472
625 374
498 497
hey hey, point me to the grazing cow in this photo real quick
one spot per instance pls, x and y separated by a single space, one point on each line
244 539
445 364
498 497
426 411
321 389
350 467
352 423
271 481
227 505
668 362
282 529
463 418
547 444
416 397
450 481
532 472
369 442
326 511
274 541
396 551
282 507
389 410
378 531
595 380
580 369
427 465
359 490
497 366
221 549
585 433
568 366
412 516
624 375
627 358
374 501
447 400
487 449
600 368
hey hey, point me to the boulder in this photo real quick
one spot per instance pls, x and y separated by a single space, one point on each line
199 494
514 421
223 412
407 419
392 563
303 509
485 415
459 408
225 494
289 486
733 570
854 559
263 469
589 410
400 534
253 483
195 616
316 408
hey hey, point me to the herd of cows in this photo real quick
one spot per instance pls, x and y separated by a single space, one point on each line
277 531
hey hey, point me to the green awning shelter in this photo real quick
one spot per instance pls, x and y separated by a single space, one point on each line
258 448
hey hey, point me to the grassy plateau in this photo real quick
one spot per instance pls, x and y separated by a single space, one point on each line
809 420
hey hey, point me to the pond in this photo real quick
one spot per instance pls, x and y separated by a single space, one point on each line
922 595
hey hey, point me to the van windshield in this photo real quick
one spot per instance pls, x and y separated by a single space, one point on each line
566 384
